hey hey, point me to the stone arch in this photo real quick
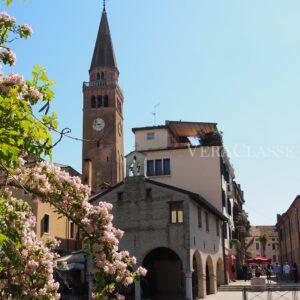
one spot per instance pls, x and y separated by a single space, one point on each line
210 276
220 272
198 277
165 277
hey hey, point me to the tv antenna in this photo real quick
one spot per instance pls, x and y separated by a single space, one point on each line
154 113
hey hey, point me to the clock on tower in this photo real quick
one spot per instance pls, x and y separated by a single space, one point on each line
103 146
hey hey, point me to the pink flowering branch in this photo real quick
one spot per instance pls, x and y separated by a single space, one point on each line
69 197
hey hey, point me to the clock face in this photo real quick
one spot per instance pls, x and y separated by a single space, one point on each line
120 129
98 124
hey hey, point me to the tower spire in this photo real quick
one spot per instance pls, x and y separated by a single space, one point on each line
104 55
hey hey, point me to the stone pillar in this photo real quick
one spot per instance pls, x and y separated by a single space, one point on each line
137 291
202 286
188 286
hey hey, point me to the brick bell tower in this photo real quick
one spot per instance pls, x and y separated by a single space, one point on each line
103 146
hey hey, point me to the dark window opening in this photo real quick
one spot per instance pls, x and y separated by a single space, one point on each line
223 199
199 217
158 167
46 224
150 167
99 101
98 144
72 230
120 195
98 76
217 227
149 193
102 75
207 221
93 102
167 166
105 101
229 207
176 213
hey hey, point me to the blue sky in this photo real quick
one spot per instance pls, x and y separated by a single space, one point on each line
231 62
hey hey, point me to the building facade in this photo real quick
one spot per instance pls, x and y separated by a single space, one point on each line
271 250
174 233
103 145
288 228
49 224
173 157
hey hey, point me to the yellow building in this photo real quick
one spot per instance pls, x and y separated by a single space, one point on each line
49 224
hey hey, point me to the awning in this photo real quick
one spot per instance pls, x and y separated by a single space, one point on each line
75 257
259 260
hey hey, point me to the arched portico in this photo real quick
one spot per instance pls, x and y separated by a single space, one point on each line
165 276
220 272
210 277
198 277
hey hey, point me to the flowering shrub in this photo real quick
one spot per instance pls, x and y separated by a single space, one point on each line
26 264
69 197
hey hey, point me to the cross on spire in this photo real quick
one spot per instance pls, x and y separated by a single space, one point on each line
104 5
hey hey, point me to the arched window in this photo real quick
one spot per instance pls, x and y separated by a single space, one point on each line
102 75
98 76
105 100
93 102
99 101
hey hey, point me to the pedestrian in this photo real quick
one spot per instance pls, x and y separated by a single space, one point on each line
233 272
277 271
249 272
295 272
286 272
269 273
245 272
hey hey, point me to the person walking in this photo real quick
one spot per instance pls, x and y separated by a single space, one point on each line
277 271
286 272
245 272
269 273
295 272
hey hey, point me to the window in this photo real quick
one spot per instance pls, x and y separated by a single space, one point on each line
99 101
217 227
223 199
273 246
167 166
199 217
150 136
274 258
150 167
46 224
229 207
120 196
102 75
257 246
93 102
207 221
176 213
72 230
149 193
105 101
98 76
158 167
